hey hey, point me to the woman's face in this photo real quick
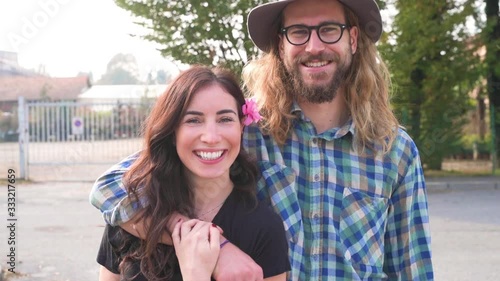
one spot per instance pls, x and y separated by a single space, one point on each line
208 138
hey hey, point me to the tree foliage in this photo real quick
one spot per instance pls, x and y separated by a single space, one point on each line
210 32
431 56
122 69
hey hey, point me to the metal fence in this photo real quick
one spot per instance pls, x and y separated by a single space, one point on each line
54 136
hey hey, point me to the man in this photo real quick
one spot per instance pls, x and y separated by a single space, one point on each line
346 180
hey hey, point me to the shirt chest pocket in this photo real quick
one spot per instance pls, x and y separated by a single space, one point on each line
278 184
362 223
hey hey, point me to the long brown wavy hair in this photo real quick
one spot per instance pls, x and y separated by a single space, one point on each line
158 175
367 93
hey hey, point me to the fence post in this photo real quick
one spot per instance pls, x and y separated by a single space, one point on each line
23 137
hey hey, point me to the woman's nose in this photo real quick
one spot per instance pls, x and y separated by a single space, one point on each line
210 134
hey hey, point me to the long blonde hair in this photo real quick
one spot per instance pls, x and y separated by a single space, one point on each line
367 94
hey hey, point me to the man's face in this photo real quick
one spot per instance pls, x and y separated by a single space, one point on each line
317 69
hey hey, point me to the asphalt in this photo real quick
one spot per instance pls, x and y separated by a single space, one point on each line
57 232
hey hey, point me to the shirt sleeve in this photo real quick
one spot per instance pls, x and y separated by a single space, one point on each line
110 196
407 239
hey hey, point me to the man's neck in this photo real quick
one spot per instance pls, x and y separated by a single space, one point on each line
327 115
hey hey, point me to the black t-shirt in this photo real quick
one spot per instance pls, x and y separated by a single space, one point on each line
256 231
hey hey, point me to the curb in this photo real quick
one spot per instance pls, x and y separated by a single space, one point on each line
462 185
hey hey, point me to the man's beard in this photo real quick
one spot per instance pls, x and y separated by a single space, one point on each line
316 93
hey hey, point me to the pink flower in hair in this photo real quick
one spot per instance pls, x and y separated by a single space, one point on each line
251 112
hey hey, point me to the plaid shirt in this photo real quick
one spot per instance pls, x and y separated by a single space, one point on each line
347 216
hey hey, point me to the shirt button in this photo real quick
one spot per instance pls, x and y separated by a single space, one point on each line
316 177
316 216
315 141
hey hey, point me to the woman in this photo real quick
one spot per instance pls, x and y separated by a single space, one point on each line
193 164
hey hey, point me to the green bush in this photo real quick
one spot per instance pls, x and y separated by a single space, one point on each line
465 147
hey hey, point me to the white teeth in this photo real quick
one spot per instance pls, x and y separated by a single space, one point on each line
209 155
316 64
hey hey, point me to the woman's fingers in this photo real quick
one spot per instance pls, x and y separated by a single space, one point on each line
197 248
176 237
196 230
214 237
187 226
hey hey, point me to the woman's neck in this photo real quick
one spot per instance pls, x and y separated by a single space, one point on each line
209 196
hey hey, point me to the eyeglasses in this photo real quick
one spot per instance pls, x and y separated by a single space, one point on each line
328 33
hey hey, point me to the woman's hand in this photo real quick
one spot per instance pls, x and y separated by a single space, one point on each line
197 248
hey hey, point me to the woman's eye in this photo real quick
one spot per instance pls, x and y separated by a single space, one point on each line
192 121
226 119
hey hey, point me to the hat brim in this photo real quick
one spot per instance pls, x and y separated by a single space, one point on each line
263 22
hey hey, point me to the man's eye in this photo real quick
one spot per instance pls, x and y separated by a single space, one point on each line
299 32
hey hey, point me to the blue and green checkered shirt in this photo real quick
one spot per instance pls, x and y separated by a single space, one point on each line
347 216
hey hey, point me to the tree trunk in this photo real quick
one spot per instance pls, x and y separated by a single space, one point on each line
492 39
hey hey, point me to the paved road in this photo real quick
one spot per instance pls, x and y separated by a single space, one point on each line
58 232
57 235
465 227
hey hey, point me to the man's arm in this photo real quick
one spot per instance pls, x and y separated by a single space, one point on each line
234 265
407 239
109 194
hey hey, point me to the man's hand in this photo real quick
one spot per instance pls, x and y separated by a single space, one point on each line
235 265
136 227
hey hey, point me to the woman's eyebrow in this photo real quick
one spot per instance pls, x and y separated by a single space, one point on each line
220 112
192 112
224 111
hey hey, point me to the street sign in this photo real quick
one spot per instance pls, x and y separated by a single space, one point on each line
77 126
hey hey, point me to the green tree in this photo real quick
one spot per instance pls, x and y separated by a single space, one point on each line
434 68
209 32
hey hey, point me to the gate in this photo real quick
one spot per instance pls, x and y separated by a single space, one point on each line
63 141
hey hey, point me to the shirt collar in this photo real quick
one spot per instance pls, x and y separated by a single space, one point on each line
333 133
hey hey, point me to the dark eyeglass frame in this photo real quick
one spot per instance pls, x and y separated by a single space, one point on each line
284 30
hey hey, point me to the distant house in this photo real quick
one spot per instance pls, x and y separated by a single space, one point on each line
16 81
38 88
105 97
9 65
121 93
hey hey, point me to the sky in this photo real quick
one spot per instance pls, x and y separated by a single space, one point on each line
72 36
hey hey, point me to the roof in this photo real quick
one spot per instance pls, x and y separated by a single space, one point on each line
36 87
122 92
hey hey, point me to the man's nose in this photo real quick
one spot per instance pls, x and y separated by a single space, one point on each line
314 45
